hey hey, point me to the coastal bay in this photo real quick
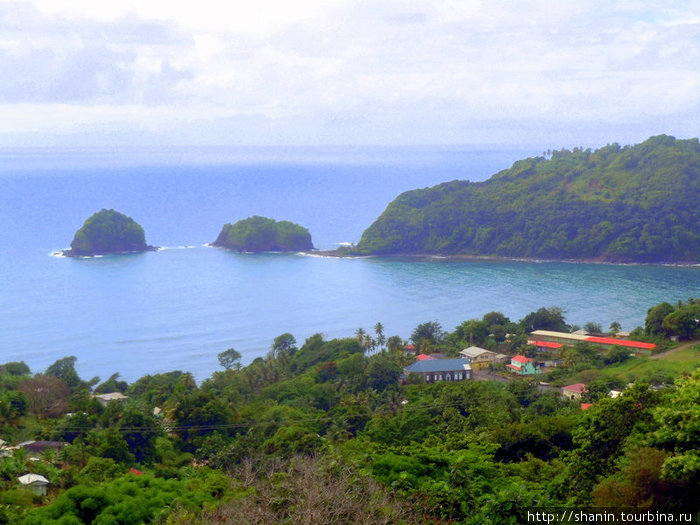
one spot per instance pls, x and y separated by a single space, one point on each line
179 307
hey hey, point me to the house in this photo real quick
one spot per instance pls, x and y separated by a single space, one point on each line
524 366
586 406
111 396
425 357
481 358
615 393
39 447
573 391
432 370
35 482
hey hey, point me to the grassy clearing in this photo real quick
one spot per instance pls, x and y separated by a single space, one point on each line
673 364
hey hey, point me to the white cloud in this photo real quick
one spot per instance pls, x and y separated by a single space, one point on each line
347 71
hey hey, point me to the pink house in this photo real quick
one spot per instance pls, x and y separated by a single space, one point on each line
573 391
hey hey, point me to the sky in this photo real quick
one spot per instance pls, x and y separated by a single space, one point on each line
551 74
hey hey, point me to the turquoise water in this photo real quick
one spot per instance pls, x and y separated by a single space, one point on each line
179 307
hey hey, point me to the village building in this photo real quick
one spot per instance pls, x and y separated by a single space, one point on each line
39 447
111 396
524 366
545 346
432 370
604 343
37 483
573 391
425 357
480 358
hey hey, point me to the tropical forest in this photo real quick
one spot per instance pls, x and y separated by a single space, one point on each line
341 431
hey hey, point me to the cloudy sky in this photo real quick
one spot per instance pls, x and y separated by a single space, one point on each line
549 73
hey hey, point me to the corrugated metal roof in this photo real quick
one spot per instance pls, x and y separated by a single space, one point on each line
562 335
620 342
578 387
30 479
439 365
474 351
522 359
547 344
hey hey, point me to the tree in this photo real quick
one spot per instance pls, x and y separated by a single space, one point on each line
229 358
379 330
615 327
427 335
112 385
653 324
470 333
394 343
64 369
383 371
15 368
593 328
47 396
683 322
495 318
284 344
545 319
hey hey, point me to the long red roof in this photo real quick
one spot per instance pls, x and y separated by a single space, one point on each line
548 344
620 342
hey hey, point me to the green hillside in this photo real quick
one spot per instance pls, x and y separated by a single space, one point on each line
626 204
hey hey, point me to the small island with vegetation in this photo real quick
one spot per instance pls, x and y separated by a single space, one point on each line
260 234
108 232
634 204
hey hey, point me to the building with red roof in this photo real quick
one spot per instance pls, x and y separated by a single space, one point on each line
574 391
425 357
604 343
524 366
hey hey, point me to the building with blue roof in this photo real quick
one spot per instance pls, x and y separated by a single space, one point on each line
441 370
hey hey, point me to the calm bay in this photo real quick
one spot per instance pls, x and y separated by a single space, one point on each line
177 308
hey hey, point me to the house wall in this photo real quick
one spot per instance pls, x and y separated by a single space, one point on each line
452 375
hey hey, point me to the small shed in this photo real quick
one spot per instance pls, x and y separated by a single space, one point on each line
37 483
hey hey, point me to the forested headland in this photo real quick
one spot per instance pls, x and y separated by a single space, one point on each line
619 204
330 431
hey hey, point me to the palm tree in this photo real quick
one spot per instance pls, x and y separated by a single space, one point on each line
379 330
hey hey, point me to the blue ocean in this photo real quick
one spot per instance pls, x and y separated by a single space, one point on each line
177 308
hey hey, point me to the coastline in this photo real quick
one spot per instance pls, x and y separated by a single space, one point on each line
487 258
